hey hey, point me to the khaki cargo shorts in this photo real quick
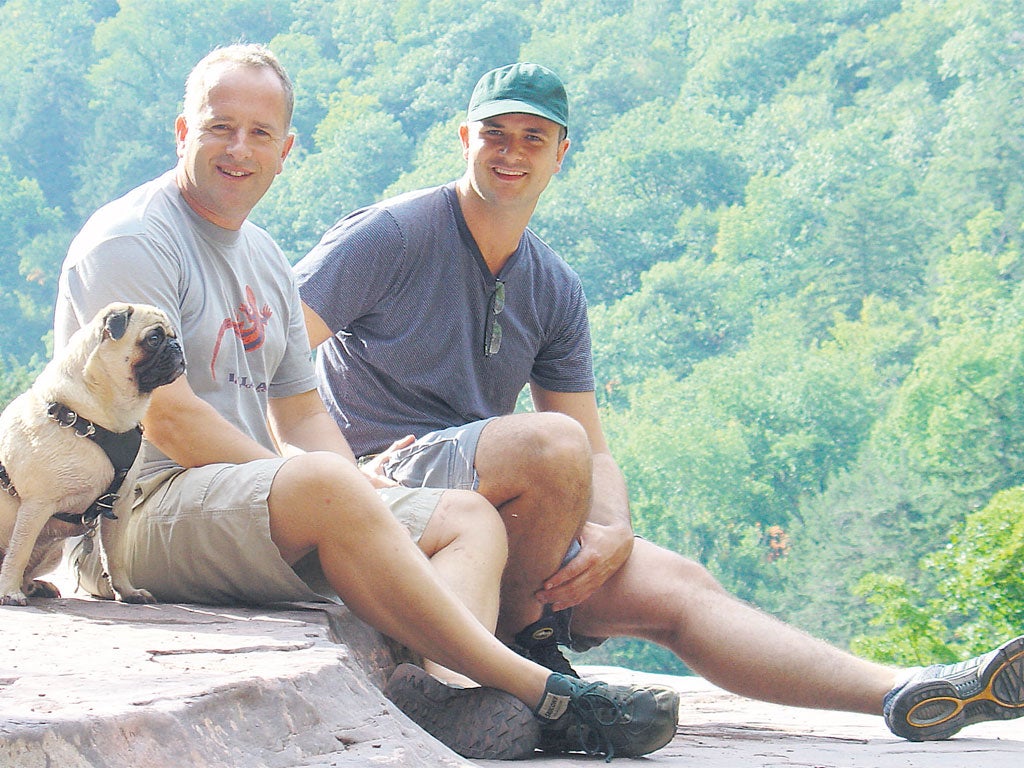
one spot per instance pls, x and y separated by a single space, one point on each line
202 535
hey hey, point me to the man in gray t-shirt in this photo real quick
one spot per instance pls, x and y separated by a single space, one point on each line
230 292
436 309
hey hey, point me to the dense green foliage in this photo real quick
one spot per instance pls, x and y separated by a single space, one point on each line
798 223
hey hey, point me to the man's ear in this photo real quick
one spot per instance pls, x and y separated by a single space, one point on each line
180 132
288 142
560 155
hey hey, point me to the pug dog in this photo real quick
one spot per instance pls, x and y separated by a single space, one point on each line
69 448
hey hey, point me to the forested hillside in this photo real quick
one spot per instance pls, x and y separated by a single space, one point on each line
798 223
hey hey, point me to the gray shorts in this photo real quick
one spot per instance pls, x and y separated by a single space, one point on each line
202 535
441 459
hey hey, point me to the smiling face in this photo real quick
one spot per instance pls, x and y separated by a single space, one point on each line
233 143
512 157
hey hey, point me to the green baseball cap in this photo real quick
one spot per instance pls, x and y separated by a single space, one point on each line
528 88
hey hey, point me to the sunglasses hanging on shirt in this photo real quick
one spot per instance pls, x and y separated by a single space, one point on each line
492 328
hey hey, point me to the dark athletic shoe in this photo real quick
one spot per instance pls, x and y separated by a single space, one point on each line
539 641
609 720
550 656
481 723
938 701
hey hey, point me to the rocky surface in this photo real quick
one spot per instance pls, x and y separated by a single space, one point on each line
94 683
88 683
720 730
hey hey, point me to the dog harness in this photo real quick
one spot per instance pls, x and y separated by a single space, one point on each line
121 449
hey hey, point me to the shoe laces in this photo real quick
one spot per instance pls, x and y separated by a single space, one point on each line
597 711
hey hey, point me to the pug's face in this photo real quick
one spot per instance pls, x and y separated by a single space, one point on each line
134 346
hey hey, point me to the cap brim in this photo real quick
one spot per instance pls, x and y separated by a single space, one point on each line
510 106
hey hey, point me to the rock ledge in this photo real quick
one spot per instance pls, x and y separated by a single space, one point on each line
94 683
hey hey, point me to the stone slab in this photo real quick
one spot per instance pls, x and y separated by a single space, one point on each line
93 684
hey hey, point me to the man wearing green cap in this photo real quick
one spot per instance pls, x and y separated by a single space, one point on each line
433 310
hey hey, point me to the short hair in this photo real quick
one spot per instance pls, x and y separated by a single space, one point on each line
243 54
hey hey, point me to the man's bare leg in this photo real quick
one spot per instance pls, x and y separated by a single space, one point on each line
660 596
536 469
320 501
465 541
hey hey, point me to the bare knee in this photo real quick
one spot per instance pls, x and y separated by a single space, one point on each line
538 452
318 495
657 595
683 579
555 440
470 513
691 594
318 482
466 519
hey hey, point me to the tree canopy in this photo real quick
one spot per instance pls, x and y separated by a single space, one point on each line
799 226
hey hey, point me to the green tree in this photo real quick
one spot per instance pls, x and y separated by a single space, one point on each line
424 71
686 311
715 459
947 440
315 74
649 38
744 53
912 636
806 228
958 416
617 211
45 51
438 159
979 162
981 590
979 601
15 378
872 518
30 241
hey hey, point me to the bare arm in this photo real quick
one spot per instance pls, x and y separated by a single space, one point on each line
607 537
318 333
301 424
315 327
191 432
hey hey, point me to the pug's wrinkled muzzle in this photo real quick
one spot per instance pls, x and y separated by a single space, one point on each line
163 366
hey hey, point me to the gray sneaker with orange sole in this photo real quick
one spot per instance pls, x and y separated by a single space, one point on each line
938 701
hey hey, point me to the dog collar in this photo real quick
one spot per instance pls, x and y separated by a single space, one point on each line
121 448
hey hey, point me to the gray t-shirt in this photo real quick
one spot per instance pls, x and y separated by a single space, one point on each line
405 289
231 295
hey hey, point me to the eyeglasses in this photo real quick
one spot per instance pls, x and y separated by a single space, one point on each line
492 328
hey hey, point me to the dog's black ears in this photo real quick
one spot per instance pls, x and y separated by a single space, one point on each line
116 322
